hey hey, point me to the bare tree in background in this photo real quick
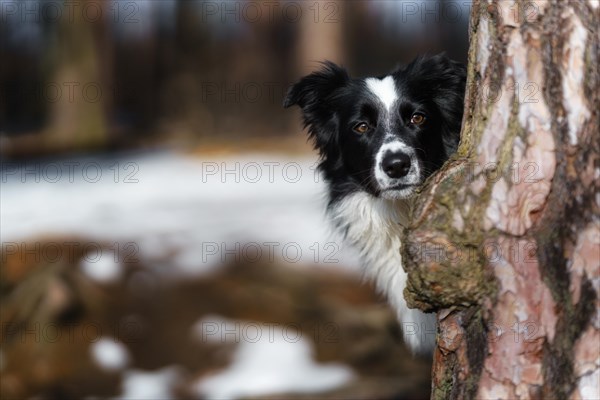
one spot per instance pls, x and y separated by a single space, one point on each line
79 109
321 33
505 243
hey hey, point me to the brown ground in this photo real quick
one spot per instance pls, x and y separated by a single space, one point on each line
51 312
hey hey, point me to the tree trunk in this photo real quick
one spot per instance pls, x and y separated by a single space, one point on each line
505 242
79 106
321 33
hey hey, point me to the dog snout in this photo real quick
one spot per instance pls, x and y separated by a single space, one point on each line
396 165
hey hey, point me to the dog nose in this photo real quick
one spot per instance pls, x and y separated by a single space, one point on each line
396 165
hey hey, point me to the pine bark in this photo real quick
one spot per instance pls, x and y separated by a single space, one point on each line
505 241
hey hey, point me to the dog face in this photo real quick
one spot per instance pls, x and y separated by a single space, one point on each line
383 135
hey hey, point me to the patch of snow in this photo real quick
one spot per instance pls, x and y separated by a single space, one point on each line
150 385
267 361
198 213
102 267
109 354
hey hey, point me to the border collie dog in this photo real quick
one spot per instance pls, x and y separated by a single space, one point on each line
379 139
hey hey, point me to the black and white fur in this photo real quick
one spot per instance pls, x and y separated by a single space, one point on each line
379 139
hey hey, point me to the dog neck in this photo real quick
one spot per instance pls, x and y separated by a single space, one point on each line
374 227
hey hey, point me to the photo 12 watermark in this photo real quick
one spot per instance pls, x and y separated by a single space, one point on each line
70 11
222 331
69 171
126 330
269 252
66 251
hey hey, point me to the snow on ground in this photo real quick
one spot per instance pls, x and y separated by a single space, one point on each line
164 204
110 354
103 266
150 385
269 359
184 215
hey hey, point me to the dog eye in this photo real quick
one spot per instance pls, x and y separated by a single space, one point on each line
361 127
417 119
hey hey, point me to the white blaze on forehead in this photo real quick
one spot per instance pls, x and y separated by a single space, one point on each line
384 89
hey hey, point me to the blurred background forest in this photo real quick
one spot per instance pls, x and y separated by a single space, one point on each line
158 206
94 75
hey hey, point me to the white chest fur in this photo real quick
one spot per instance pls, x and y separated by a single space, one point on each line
372 225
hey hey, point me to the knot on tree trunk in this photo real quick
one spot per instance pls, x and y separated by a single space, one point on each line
444 259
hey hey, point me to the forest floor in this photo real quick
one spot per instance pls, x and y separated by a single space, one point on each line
146 283
70 331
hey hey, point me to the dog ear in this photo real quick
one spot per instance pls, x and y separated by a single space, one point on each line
316 87
315 95
440 73
438 65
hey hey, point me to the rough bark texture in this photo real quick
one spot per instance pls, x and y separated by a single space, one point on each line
505 243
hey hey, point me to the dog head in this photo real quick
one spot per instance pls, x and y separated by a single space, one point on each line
383 135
